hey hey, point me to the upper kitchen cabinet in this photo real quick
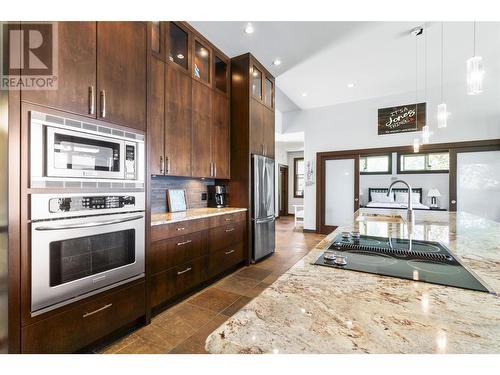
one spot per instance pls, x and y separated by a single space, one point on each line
156 120
121 73
269 92
202 164
220 136
256 79
178 113
221 74
158 42
252 105
178 45
76 86
202 61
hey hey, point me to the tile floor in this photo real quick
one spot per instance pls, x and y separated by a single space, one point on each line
183 328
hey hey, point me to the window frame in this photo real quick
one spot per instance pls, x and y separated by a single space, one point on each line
295 161
389 155
423 171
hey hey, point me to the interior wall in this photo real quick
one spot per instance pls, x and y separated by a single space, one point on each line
426 181
291 199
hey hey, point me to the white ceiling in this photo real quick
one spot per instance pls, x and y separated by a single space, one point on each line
321 58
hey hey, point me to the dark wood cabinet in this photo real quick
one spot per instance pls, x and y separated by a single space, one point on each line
76 84
178 111
256 131
220 136
185 254
86 322
121 73
268 132
201 162
156 123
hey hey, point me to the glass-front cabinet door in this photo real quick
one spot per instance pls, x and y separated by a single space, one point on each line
256 83
201 66
220 74
178 46
269 93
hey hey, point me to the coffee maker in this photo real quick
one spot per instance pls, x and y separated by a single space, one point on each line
216 196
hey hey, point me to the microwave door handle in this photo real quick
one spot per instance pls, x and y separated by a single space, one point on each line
88 225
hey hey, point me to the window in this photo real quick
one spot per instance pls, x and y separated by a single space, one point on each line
435 162
298 175
375 164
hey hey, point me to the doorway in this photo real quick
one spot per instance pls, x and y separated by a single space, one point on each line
283 190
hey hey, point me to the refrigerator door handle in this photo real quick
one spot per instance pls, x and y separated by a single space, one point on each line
265 220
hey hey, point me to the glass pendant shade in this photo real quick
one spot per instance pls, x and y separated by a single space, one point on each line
416 145
475 75
425 134
442 115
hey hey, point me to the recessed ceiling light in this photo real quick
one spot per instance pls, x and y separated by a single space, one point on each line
304 94
350 85
249 28
180 56
277 62
203 52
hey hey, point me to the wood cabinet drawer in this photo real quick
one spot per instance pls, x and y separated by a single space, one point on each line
160 232
86 323
224 259
174 251
216 221
177 280
222 237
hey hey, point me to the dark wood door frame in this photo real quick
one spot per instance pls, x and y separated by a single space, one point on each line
321 160
452 147
284 189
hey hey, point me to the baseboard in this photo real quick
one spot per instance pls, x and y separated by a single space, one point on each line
309 231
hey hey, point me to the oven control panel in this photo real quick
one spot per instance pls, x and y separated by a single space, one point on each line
84 203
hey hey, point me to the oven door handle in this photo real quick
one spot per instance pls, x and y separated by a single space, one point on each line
89 225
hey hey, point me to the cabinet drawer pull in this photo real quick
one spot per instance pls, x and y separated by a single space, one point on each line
229 252
162 165
103 103
183 243
215 169
229 230
98 310
167 159
91 100
186 270
180 228
228 218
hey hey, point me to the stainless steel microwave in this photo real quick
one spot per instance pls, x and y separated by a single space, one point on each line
76 154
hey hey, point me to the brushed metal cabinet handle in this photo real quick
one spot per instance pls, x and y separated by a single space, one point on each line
229 252
184 242
103 103
215 169
91 100
167 170
453 201
228 219
229 230
98 310
180 228
162 165
186 270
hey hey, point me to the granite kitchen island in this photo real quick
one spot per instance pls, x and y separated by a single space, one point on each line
314 309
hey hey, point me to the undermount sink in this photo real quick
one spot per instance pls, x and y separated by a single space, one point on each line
380 217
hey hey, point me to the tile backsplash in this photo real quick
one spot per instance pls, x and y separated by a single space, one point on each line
194 189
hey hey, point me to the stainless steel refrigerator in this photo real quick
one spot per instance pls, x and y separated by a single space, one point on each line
263 213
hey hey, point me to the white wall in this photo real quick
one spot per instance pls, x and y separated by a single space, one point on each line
354 125
291 199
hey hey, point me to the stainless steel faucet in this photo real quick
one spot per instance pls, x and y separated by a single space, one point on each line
410 218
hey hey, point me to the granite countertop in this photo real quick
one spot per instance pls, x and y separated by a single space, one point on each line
314 309
191 214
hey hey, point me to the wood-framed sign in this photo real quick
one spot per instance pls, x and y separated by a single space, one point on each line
401 119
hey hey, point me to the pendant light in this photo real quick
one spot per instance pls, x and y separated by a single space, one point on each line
416 145
475 70
425 129
442 112
416 32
